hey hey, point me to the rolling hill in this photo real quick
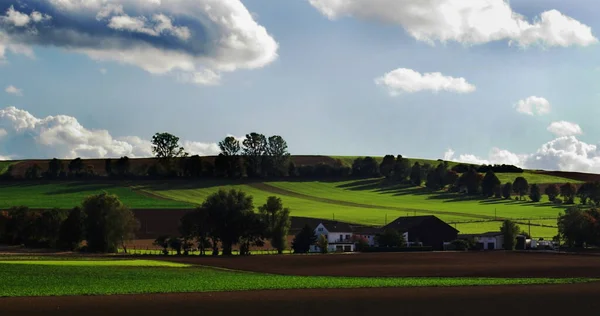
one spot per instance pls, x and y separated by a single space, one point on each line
367 201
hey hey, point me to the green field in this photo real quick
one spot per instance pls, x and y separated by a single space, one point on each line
88 277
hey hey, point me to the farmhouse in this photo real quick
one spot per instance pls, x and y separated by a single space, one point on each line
486 241
338 234
426 230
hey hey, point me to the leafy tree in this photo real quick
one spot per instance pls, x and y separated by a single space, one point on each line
192 166
122 166
166 148
415 174
196 225
471 180
108 222
76 166
21 226
552 192
498 191
72 230
255 147
580 228
304 239
401 169
229 158
568 191
277 219
323 244
507 190
175 244
252 233
55 167
535 194
292 171
391 238
108 166
279 157
520 187
163 242
387 166
451 177
436 179
228 210
49 224
509 230
489 183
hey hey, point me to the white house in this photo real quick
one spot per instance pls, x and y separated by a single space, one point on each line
486 241
339 236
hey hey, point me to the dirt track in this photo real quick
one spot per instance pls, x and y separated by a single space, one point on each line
450 264
489 301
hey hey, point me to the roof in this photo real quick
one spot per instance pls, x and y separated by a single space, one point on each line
337 227
408 222
488 234
332 226
366 230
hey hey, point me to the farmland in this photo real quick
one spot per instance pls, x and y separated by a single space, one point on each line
47 277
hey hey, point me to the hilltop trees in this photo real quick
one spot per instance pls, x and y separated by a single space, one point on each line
489 183
365 167
386 167
255 148
535 195
520 187
507 190
552 191
415 174
568 191
278 155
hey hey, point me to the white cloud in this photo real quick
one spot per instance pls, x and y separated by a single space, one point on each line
464 21
563 128
495 156
533 106
13 90
14 18
410 81
23 135
195 39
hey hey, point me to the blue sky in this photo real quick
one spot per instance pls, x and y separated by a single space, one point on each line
311 79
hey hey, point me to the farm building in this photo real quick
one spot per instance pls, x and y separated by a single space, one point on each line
426 230
486 241
338 234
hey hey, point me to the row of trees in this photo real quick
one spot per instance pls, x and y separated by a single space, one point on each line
227 218
579 228
102 221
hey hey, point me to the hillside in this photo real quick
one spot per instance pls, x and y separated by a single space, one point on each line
366 201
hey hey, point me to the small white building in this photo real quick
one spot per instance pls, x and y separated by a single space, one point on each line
486 241
339 236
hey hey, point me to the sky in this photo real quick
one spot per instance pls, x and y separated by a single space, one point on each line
482 81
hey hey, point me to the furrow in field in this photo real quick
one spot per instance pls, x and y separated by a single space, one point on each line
280 191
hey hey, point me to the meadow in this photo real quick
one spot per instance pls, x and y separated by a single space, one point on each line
45 277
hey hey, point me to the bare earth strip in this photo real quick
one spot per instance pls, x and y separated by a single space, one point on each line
463 301
280 191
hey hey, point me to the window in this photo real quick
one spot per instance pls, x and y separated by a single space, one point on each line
347 236
320 229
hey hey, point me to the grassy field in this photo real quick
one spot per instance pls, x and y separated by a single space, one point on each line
88 277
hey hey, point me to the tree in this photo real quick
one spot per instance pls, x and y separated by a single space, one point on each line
401 169
323 244
292 171
498 191
108 166
507 190
108 222
192 166
535 195
568 191
277 219
55 167
552 192
365 167
391 238
72 230
471 180
227 211
49 224
436 179
166 148
196 225
387 166
279 157
229 159
451 177
509 230
175 244
489 183
163 242
304 239
255 148
122 166
253 232
580 228
520 187
76 166
415 174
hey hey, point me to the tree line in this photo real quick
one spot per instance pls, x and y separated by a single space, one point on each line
256 156
101 220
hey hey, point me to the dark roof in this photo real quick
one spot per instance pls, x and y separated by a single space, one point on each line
366 230
488 234
408 222
332 226
337 227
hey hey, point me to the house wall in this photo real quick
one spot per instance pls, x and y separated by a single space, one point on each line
497 241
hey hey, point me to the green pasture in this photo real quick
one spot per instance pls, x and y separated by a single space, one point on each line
67 277
70 194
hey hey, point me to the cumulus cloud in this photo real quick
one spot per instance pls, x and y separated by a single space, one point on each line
533 106
564 128
23 135
495 156
13 90
464 21
410 81
194 39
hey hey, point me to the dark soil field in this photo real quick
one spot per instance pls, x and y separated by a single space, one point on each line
430 264
464 301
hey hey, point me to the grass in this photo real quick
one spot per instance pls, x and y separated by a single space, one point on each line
534 177
70 194
4 165
52 278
